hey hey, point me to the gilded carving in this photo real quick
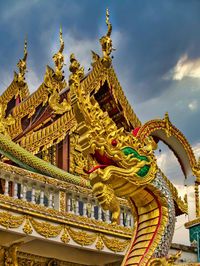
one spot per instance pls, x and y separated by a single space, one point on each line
57 106
125 166
46 229
80 221
97 131
196 171
106 44
99 245
81 237
196 189
62 201
11 255
5 123
65 237
77 160
27 227
95 57
48 91
10 221
59 58
115 244
22 66
50 135
25 259
8 256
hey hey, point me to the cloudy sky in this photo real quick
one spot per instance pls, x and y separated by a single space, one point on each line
157 57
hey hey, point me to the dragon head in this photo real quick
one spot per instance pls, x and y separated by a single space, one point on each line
120 160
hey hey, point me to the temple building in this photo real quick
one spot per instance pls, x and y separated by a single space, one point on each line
57 206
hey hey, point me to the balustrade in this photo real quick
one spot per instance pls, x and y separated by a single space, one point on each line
27 190
88 207
44 194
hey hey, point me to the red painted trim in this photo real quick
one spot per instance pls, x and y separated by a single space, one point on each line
65 154
17 100
96 167
135 234
155 127
160 216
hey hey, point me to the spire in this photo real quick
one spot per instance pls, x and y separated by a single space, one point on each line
106 43
22 65
59 58
61 41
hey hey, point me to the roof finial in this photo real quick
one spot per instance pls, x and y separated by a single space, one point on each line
106 43
61 40
22 64
59 58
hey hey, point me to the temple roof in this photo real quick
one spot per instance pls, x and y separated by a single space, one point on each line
44 117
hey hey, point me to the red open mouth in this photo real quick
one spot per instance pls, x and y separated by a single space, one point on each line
102 159
102 166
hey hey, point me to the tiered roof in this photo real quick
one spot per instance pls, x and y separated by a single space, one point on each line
45 117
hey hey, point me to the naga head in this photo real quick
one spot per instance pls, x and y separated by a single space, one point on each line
120 160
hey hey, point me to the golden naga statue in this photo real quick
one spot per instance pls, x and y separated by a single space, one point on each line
106 43
22 66
124 167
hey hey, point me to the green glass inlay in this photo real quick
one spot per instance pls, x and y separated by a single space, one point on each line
144 170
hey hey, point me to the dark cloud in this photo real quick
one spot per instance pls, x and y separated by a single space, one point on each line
159 33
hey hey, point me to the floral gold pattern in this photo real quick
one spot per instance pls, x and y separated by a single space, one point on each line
65 237
46 229
115 244
27 227
8 220
81 237
99 245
